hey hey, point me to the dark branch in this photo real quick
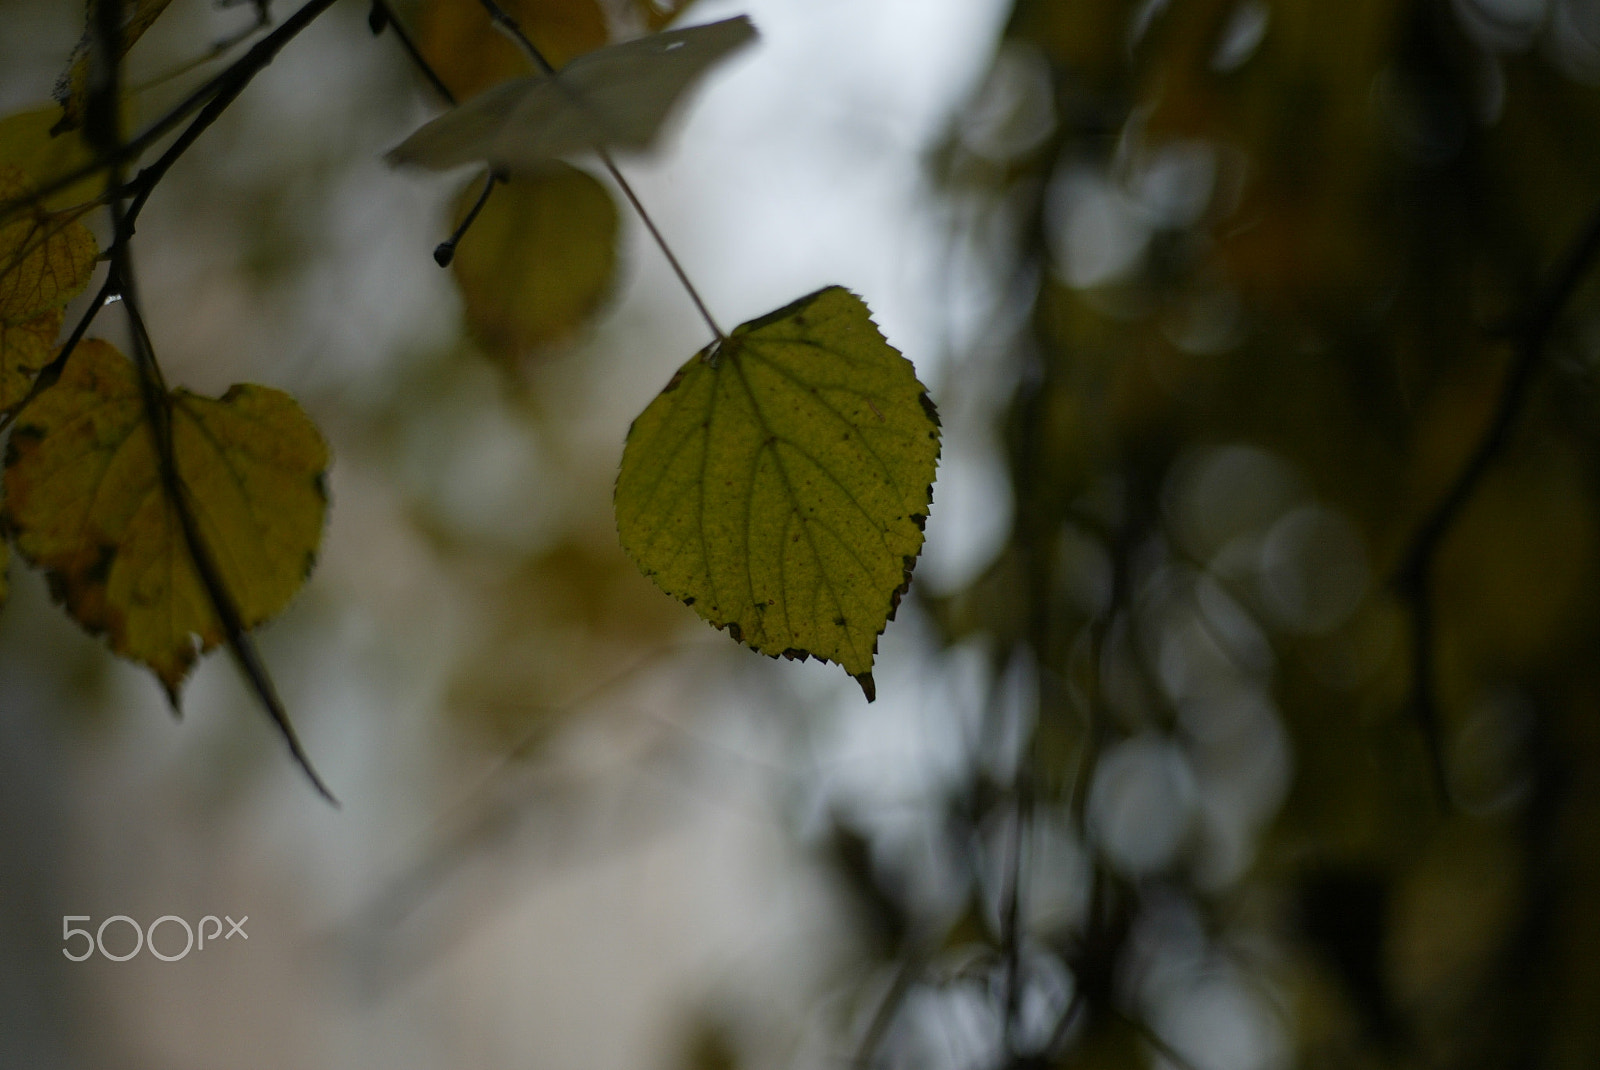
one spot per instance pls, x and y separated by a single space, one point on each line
158 413
103 129
383 18
1152 1038
508 25
883 1017
445 251
230 81
1414 578
51 373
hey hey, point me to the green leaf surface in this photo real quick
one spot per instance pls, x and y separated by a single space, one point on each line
46 258
27 144
24 349
85 500
781 481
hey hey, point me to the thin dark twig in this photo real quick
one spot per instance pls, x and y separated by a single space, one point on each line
383 18
234 78
1415 577
1011 906
218 48
51 373
888 1007
666 250
233 82
103 129
158 412
509 26
1069 1015
1167 1051
445 251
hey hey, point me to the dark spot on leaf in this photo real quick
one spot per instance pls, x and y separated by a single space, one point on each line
839 621
23 439
796 655
735 631
920 520
100 571
689 601
672 384
928 407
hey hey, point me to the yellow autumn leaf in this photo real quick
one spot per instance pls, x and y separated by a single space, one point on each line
46 258
26 142
537 261
470 55
781 481
24 349
85 501
73 88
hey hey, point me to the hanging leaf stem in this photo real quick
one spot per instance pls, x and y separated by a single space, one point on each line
508 25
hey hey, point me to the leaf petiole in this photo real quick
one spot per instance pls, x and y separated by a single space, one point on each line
445 251
508 25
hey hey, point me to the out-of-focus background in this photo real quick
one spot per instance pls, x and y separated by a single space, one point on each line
1175 762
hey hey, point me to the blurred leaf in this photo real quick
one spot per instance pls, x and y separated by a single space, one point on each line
27 143
86 502
616 97
538 260
558 628
780 482
24 349
45 258
470 55
658 13
1511 600
73 88
709 1047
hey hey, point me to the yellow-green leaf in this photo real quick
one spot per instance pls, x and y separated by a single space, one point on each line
26 142
538 260
85 501
46 258
24 349
73 88
780 483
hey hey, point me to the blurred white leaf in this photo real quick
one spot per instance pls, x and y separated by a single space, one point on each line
615 97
